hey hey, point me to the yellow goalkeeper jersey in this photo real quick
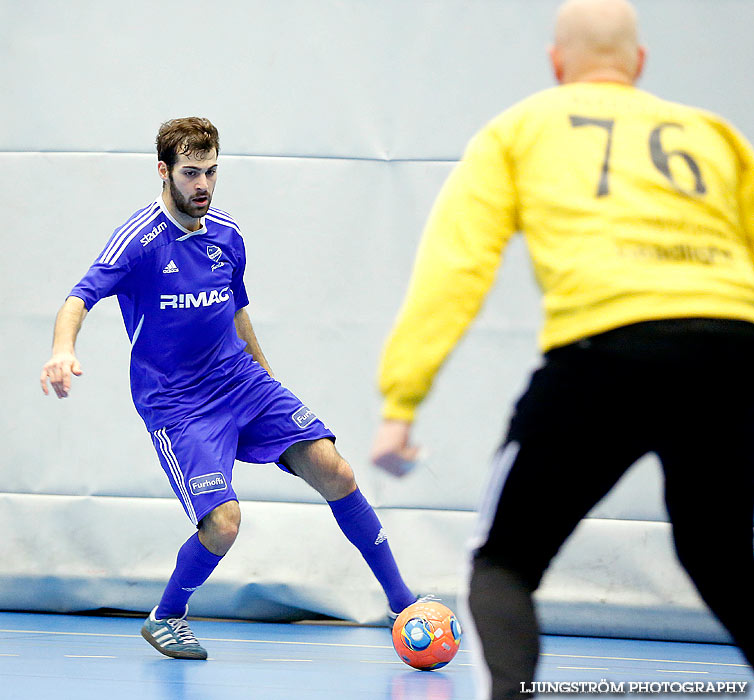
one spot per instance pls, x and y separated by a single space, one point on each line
633 208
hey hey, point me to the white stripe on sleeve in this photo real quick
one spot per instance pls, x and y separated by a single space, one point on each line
125 230
225 222
113 257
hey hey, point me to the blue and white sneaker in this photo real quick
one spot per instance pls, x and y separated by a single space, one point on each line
173 637
421 599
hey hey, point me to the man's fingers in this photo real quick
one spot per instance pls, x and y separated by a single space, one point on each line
398 462
410 454
59 373
391 464
43 382
391 450
64 381
60 388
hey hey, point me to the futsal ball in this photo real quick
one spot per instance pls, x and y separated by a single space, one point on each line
426 635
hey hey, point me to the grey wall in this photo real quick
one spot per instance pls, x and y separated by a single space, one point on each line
339 121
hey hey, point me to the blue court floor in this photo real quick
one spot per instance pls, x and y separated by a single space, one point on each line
69 657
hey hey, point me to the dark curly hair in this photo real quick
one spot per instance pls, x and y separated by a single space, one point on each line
184 136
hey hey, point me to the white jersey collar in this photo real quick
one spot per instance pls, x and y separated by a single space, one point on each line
188 233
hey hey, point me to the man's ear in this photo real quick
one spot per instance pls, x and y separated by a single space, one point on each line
162 171
556 62
640 62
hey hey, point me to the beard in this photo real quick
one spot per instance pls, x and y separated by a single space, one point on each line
185 206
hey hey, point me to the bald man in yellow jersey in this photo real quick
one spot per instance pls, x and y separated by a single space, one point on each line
639 217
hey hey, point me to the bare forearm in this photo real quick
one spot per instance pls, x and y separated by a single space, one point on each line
67 325
63 363
246 333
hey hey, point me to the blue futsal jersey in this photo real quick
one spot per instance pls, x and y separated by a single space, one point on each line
178 292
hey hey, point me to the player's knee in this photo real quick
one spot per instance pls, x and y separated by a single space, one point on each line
220 527
227 530
344 473
320 465
334 478
342 480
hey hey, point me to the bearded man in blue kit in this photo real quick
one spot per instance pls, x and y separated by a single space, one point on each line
199 379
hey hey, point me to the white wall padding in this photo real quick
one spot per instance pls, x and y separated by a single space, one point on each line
339 121
290 561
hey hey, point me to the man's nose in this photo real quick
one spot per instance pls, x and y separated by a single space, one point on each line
201 182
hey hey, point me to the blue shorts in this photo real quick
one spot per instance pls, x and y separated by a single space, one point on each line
256 420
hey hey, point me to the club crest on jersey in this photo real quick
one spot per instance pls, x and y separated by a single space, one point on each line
215 254
207 483
303 417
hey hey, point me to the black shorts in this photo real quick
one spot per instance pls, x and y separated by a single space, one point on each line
682 389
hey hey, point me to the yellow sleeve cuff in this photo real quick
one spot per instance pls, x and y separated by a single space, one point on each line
394 409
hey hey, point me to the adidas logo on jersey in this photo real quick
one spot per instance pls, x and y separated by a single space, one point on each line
170 267
381 536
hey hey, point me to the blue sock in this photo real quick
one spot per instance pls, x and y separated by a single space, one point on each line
361 526
195 564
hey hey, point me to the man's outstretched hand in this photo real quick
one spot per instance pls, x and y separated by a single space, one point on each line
391 449
59 369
